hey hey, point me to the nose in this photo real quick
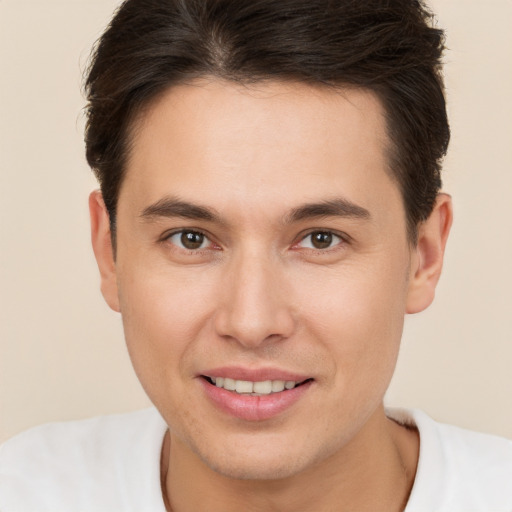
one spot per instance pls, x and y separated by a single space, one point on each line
254 306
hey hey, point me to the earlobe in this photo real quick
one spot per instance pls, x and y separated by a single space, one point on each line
427 261
103 250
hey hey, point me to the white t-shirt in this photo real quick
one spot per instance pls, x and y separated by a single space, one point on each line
112 464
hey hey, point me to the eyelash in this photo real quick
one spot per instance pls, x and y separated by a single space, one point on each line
342 240
168 238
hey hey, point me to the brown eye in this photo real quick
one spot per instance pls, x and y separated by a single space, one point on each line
189 240
320 240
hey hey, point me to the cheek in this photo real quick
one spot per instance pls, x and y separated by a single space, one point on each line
358 314
163 315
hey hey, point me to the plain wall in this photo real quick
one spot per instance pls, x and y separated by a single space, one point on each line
62 353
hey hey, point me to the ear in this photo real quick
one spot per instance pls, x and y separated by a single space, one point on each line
427 259
102 245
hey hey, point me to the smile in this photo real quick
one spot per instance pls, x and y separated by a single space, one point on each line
260 388
256 399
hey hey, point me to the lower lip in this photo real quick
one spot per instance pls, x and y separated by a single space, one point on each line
254 408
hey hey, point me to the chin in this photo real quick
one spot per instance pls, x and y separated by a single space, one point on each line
248 468
258 461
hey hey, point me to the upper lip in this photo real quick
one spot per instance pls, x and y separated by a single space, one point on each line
255 374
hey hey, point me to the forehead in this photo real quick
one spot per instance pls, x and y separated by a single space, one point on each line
232 144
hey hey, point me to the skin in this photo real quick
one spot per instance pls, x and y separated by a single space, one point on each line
258 294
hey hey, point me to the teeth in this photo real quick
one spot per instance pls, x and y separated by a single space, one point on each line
229 384
244 386
247 387
264 388
278 385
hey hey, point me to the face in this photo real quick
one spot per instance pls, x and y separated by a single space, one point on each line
260 239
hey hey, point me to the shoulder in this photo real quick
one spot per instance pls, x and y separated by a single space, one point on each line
80 465
458 469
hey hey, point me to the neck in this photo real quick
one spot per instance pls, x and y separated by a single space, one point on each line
375 471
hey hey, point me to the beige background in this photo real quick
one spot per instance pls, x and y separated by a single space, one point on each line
61 350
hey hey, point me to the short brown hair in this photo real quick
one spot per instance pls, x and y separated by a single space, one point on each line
389 47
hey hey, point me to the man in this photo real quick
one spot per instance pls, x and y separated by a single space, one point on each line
270 209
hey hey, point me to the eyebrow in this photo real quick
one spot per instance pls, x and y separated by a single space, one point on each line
174 207
337 207
169 207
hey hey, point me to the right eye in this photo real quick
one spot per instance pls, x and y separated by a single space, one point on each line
189 240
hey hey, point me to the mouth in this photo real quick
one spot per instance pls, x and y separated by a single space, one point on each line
255 394
254 388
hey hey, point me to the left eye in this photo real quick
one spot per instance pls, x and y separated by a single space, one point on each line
189 240
320 240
